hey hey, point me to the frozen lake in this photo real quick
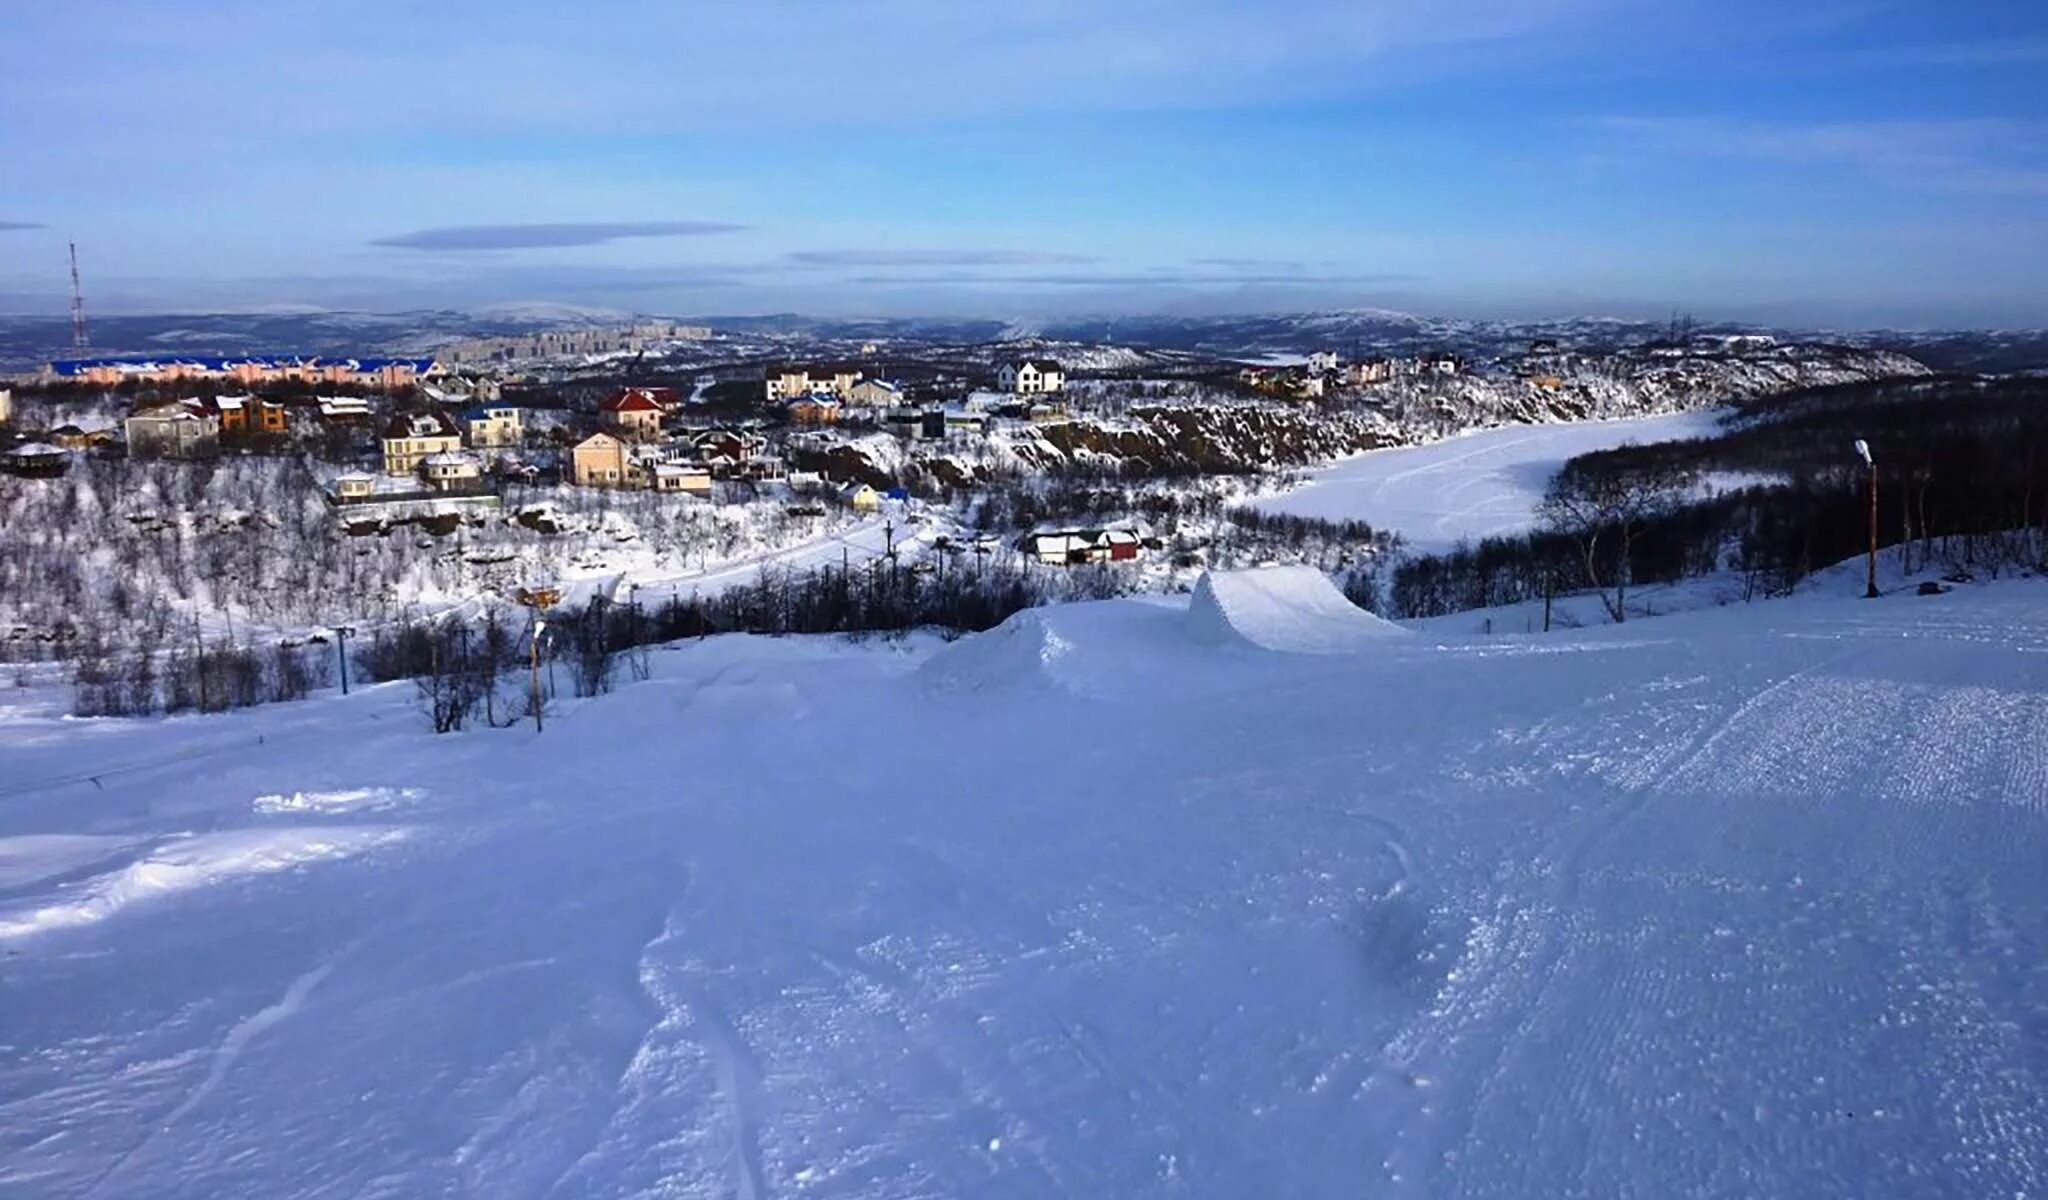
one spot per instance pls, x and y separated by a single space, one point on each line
1475 485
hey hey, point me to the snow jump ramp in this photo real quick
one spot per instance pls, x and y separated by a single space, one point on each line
1292 609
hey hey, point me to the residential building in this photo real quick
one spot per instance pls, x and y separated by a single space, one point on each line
876 393
1439 363
6 405
1322 360
602 460
789 382
1073 547
345 411
177 429
387 374
1369 371
691 479
861 498
928 425
354 486
252 414
818 408
35 460
409 438
452 471
735 454
1031 376
70 437
633 415
492 427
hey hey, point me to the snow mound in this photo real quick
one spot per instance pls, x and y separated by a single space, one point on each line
1089 649
1294 609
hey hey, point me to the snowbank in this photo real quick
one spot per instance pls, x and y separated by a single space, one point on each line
1295 609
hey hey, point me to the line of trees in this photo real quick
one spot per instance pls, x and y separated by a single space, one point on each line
1963 484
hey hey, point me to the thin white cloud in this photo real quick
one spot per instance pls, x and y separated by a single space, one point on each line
546 235
933 258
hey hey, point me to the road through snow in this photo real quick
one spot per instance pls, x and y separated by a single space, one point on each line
1740 903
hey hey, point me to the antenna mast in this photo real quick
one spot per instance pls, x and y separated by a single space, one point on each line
79 339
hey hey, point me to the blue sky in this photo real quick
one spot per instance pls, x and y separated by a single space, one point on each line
1822 162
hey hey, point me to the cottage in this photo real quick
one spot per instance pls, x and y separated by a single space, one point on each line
177 429
633 414
6 405
818 408
876 393
493 427
1075 547
35 460
354 486
789 382
1309 387
409 438
72 437
452 471
345 412
1031 376
1439 363
1370 371
861 498
1322 361
691 479
601 460
252 414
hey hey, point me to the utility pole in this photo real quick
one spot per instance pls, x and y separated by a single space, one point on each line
1863 451
341 636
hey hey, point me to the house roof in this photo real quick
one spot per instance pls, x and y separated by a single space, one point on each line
631 400
598 437
36 450
451 458
171 410
79 366
1043 365
420 425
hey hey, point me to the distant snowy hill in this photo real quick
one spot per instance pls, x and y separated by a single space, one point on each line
29 341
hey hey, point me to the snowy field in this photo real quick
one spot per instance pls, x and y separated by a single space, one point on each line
1475 485
1118 900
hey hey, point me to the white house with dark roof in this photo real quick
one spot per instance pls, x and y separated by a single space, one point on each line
1031 376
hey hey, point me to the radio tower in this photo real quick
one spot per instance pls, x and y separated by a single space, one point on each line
79 339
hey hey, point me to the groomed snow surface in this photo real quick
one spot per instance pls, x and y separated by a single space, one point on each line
1485 483
1134 898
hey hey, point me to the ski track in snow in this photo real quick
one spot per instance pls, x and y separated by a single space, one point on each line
1740 903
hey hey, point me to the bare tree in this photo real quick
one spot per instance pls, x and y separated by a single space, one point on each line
1609 506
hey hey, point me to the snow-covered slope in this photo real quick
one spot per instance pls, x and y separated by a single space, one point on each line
1741 903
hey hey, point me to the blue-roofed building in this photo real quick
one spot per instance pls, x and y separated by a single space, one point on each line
385 373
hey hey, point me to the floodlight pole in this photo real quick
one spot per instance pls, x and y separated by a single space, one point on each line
539 627
341 652
1870 587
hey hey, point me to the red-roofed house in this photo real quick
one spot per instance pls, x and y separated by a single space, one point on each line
634 414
